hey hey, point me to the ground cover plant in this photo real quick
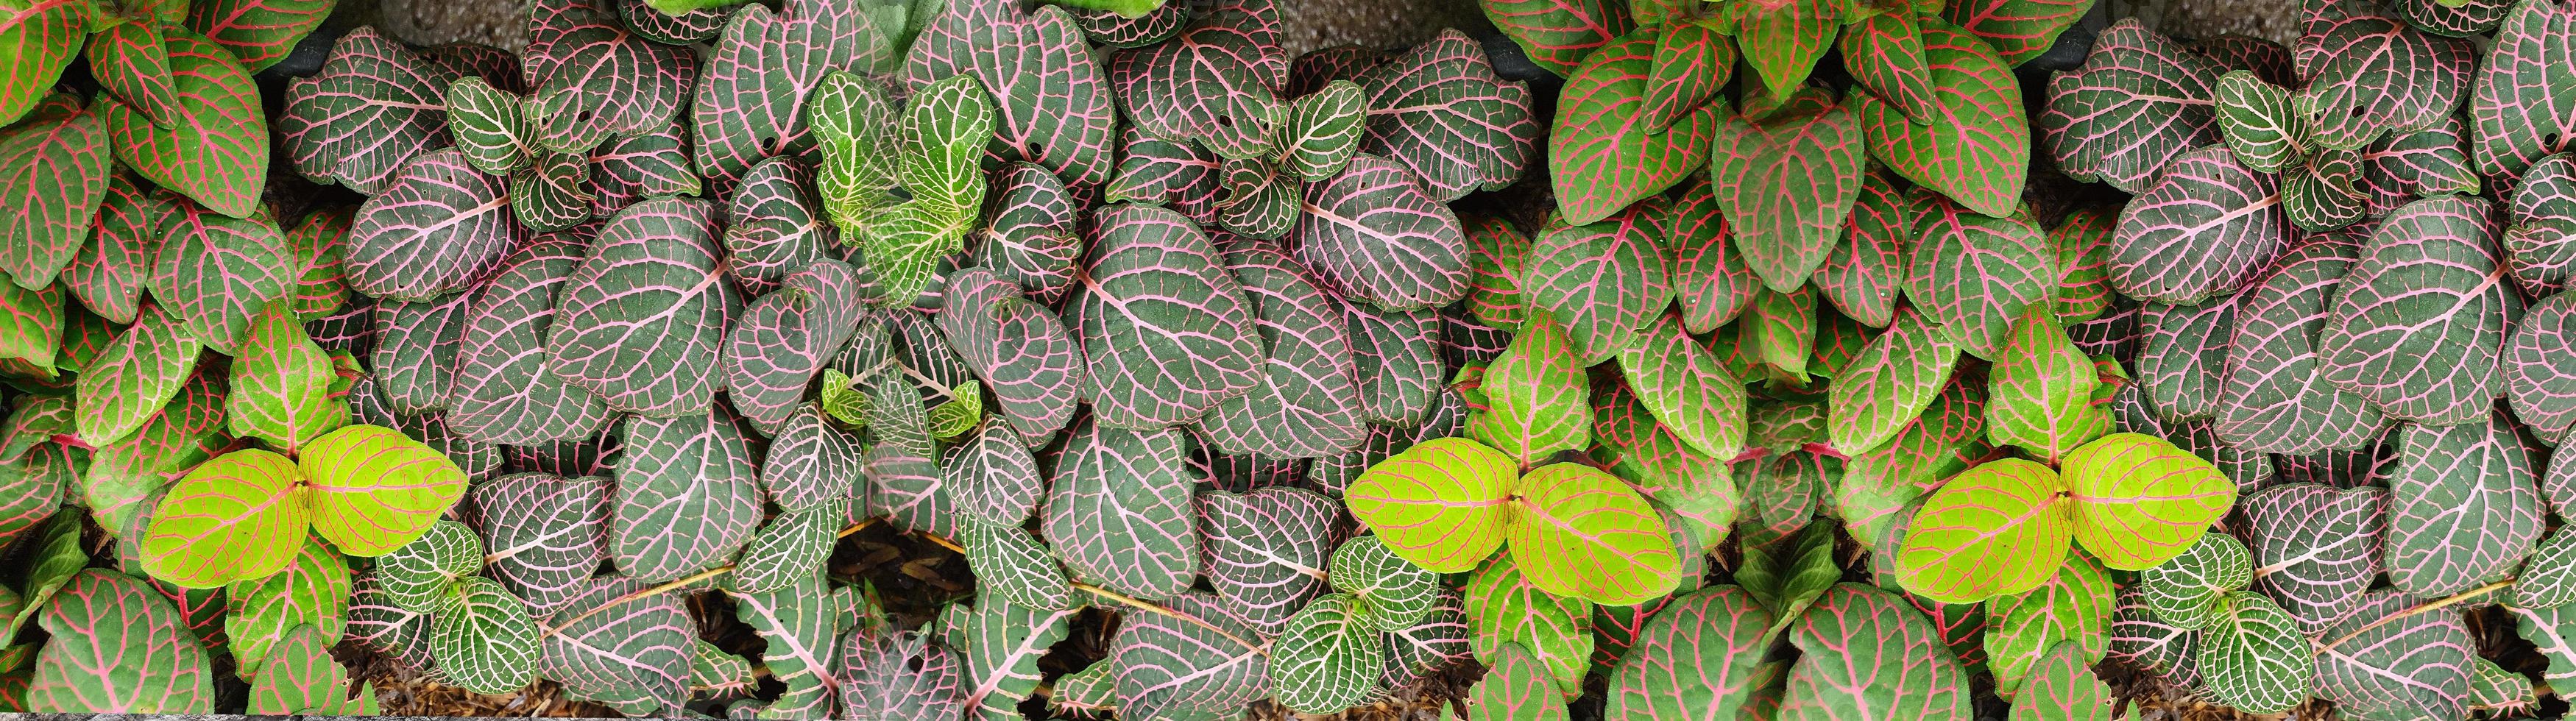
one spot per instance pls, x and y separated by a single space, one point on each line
1751 381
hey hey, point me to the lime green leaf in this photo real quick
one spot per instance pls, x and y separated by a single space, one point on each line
371 489
2139 500
32 330
2000 528
1538 401
2040 393
1442 504
282 383
1577 531
234 518
842 400
2073 606
961 413
1504 609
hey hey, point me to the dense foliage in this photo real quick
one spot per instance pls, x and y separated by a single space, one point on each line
1747 386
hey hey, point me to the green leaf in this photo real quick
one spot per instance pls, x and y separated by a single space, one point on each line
843 400
371 489
483 639
2185 591
220 156
961 413
1788 181
854 123
1442 504
2139 501
40 40
1323 130
2001 528
1503 609
1809 570
2072 606
1328 658
2019 29
1896 377
1538 402
282 383
1576 531
1694 659
235 518
945 127
2062 687
1783 41
1515 688
1692 62
1558 34
1606 280
1884 53
1948 438
32 329
2254 117
2041 390
1003 642
1781 327
1869 655
58 557
421 573
313 590
55 167
118 647
1008 560
300 677
141 371
1977 149
1387 592
260 32
2255 658
1974 276
1599 157
1686 387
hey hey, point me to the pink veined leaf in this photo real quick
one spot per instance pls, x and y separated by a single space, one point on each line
642 321
2267 60
695 26
503 391
2462 506
56 167
2473 17
260 32
214 271
125 650
1375 234
1266 551
777 345
1598 157
2404 166
1165 330
1862 273
2184 362
1118 511
437 225
687 495
496 66
2138 100
1869 655
1605 281
2538 380
1307 403
596 79
131 61
1175 175
1559 34
546 534
1789 179
220 157
2277 399
1977 148
1052 100
2351 98
374 106
1024 354
1318 68
1109 29
2315 548
1030 235
1398 355
2419 322
1782 40
415 355
625 645
109 273
1214 85
2522 104
1711 281
1169 664
2019 29
750 105
2391 662
2540 225
631 168
46 34
2201 230
1440 110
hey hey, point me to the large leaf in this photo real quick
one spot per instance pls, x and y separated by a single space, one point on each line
2139 500
2183 363
301 676
2461 507
2535 382
1030 237
1977 148
1439 504
1003 642
168 440
2138 101
1948 438
1558 34
1376 233
1399 360
1686 387
220 156
1441 110
1053 100
1165 329
1213 85
2521 105
2041 390
1537 400
374 106
642 320
261 33
1193 661
595 79
2072 606
1694 659
1266 551
55 169
1789 178
1022 352
238 517
1975 275
1328 658
1576 531
2019 29
1606 281
751 103
436 227
2352 94
415 355
215 272
122 649
2277 399
2315 548
619 642
687 496
1118 512
2204 226
1599 158
545 533
2000 528
504 392
1307 404
2412 665
784 338
2424 288
1870 656
1884 53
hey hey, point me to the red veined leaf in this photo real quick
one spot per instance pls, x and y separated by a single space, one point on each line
701 24
1109 29
1691 63
219 157
1789 179
1977 149
1973 274
260 32
1030 235
1599 158
55 170
1861 273
1783 40
778 343
630 168
215 271
2019 29
437 225
124 649
1559 34
1606 281
2522 105
2139 100
1868 655
374 106
415 355
43 38
1711 281
2462 508
132 62
108 274
1884 53
1307 403
1266 551
641 321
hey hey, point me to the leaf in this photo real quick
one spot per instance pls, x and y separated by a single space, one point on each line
1211 85
546 534
1031 238
1994 530
1118 513
216 272
1606 281
785 337
220 157
1011 561
1265 551
55 165
596 79
1163 326
687 497
282 384
170 439
1558 34
1893 380
1003 644
629 169
1439 504
42 39
108 273
2315 548
1168 664
2375 346
2186 590
1686 388
2208 208
238 517
1948 438
1599 159
2415 664
1023 353
1514 688
2062 687
1328 658
1387 592
618 642
2276 399
898 676
1576 531
2139 500
553 192
1782 42
2072 606
2461 507
419 574
1053 98
2041 390
1374 231
318 246
1782 332
2428 162
2545 579
1862 273
1698 654
1308 402
2520 97
2019 29
123 650
503 391
1885 662
2255 659
300 676
1537 400
1110 29
483 639
1442 111
261 33
641 321
1884 53
58 557
1790 179
1710 280
1399 361
1977 150
2184 361
2134 105
2348 100
313 590
373 107
372 490
2166 651
1506 611
903 464
1974 276
436 227
2254 117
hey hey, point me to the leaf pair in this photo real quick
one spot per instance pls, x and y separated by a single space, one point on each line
2002 528
941 148
1447 504
366 489
1328 656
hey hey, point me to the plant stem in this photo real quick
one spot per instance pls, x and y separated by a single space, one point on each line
1160 609
674 585
2462 597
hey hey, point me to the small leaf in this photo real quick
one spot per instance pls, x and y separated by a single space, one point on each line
1783 41
483 639
2185 591
313 590
1897 375
1606 281
282 383
2255 659
1387 593
1506 611
418 575
1515 688
1687 388
2062 687
1537 400
1377 233
2072 606
1328 658
1441 110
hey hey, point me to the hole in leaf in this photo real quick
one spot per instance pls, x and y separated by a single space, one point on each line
1225 121
914 663
2549 141
584 116
2356 111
